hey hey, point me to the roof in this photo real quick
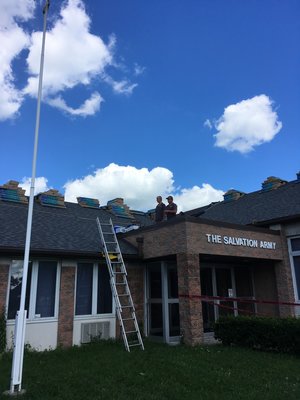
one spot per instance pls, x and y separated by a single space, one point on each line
68 230
260 207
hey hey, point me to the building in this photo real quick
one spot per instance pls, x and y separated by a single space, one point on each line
238 256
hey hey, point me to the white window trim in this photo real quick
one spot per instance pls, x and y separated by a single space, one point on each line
31 316
94 314
292 254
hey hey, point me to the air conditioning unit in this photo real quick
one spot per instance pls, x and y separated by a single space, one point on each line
94 331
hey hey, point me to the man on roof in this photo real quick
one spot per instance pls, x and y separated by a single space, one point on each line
159 210
171 208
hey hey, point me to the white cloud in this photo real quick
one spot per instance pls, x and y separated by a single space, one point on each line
40 185
208 124
89 107
138 188
15 9
247 124
73 56
121 87
197 196
13 40
138 69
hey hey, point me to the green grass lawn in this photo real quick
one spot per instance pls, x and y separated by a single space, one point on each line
106 371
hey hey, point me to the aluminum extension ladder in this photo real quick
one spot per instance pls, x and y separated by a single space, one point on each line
119 285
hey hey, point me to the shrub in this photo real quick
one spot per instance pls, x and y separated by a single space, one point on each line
264 333
2 332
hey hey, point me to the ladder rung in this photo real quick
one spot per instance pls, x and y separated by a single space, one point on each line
119 272
128 332
120 283
124 294
135 344
128 319
110 242
126 306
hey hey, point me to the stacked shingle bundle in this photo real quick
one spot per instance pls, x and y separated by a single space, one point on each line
272 182
88 202
117 207
51 198
11 191
232 194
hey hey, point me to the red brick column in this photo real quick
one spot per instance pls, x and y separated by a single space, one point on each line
284 280
190 310
135 279
66 306
4 271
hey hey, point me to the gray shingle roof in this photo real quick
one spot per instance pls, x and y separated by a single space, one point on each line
256 207
60 230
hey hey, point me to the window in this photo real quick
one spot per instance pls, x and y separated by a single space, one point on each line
93 292
41 290
45 294
295 261
84 289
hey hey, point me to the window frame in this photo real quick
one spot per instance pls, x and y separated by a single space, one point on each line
292 254
93 314
31 315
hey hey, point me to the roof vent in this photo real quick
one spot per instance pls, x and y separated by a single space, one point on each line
51 198
232 194
272 182
298 176
11 191
118 207
87 202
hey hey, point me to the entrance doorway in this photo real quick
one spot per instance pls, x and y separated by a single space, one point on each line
225 281
162 302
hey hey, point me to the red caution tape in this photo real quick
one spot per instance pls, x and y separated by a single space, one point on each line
237 299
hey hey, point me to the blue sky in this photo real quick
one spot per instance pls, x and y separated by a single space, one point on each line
141 98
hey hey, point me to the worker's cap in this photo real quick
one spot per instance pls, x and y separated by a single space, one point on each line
169 197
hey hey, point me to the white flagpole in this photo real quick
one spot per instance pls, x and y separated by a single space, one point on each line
20 325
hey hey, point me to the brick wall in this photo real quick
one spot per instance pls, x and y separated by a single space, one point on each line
198 241
66 306
190 310
4 271
190 237
265 289
284 279
135 278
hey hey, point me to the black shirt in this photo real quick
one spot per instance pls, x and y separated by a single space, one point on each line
173 207
159 212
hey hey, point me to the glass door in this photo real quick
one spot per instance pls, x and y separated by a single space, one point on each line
155 306
224 288
172 303
163 302
216 282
